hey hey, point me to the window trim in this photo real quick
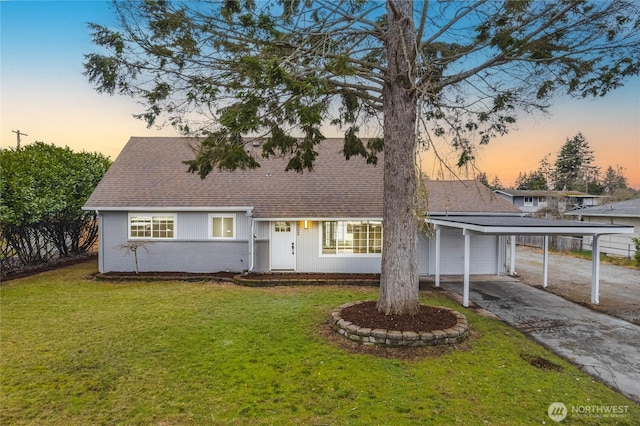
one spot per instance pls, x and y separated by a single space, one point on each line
528 203
357 255
210 218
151 215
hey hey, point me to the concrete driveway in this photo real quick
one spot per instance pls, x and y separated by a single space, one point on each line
606 347
570 278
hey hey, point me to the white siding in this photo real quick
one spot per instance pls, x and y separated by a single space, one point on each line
423 253
192 226
484 253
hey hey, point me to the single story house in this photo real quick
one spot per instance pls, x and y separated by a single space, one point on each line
620 213
269 220
266 219
530 201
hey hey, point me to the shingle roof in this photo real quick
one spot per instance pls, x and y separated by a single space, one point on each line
149 174
629 208
465 196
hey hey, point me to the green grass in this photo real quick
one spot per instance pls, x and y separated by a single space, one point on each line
620 261
77 351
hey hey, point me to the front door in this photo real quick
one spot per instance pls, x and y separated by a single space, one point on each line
283 245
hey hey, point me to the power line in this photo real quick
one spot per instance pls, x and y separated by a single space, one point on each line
18 134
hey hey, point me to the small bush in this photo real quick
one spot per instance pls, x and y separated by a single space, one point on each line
636 241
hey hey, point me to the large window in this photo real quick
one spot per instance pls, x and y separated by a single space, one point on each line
222 226
152 226
352 237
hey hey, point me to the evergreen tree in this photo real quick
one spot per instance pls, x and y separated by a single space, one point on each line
614 179
496 184
573 169
482 178
531 181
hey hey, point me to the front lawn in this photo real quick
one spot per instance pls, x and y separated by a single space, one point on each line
77 351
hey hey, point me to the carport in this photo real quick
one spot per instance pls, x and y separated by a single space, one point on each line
512 226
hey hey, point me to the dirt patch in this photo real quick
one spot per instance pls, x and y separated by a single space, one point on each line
312 277
183 275
541 363
427 319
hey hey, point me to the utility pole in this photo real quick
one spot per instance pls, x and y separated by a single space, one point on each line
18 134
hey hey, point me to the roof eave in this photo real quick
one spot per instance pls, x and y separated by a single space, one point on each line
535 230
168 208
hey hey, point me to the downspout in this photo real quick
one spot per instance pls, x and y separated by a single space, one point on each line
437 271
100 219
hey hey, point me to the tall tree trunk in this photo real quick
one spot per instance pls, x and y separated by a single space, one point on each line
399 278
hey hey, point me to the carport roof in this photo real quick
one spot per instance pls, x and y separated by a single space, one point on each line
518 225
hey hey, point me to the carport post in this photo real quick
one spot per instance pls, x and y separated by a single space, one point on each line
545 261
595 264
467 244
512 263
437 256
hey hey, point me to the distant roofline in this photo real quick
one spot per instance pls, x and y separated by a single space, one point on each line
546 192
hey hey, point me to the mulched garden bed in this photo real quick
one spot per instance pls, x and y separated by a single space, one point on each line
427 319
266 279
123 275
284 276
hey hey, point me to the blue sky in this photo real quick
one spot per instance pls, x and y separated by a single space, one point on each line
42 89
44 94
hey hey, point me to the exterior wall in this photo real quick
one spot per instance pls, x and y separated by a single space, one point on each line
261 246
485 254
309 258
424 253
535 205
190 251
261 260
193 251
615 245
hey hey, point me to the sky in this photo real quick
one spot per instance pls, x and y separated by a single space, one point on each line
44 95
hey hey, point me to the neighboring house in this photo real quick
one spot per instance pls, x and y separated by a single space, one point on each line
530 201
266 219
619 213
